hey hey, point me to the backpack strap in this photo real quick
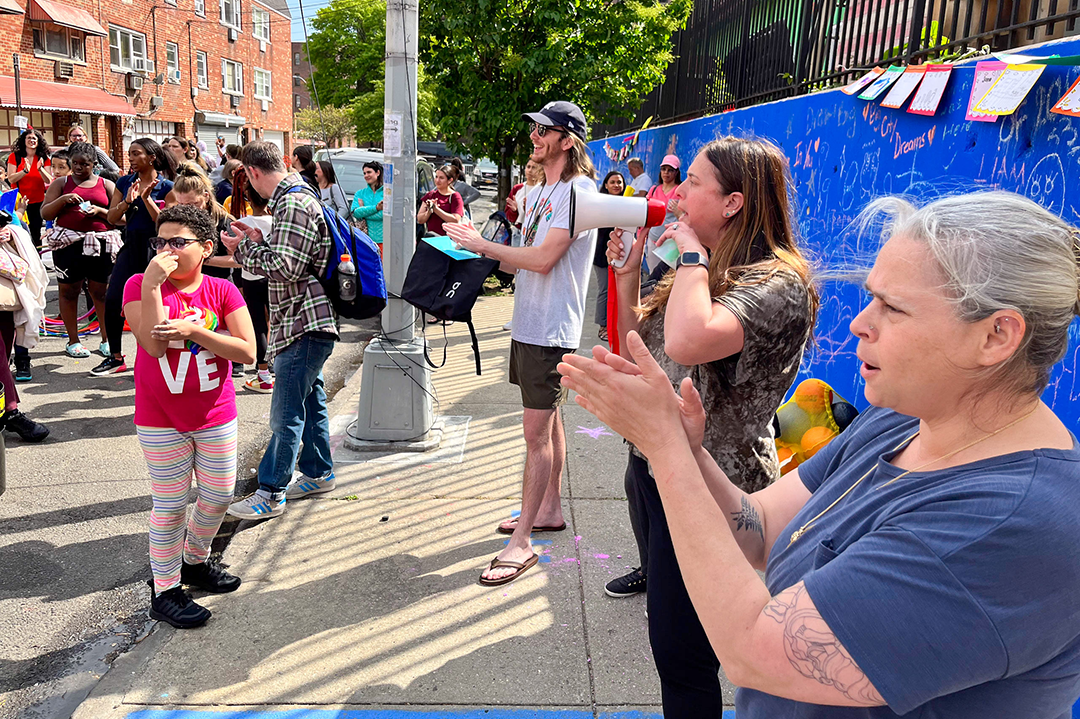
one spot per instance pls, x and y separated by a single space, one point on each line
427 357
475 343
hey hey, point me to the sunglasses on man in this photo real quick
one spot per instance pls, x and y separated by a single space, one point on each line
542 130
157 244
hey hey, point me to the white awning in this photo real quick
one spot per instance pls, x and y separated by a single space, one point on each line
219 118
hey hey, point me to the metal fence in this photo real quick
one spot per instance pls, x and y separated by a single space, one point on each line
735 53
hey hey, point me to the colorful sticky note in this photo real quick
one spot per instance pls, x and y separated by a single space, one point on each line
935 80
862 81
904 86
882 83
986 73
1069 104
1010 89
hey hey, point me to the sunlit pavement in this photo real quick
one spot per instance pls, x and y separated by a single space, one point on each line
364 602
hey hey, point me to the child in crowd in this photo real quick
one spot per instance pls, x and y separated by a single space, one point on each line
61 164
188 326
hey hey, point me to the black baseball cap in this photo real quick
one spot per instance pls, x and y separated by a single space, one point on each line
561 114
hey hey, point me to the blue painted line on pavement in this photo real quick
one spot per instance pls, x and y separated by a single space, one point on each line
395 714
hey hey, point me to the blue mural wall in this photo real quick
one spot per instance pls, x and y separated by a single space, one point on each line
844 152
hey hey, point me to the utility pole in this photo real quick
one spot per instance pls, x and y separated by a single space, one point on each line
18 86
395 392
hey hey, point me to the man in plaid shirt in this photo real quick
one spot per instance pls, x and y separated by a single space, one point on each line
303 329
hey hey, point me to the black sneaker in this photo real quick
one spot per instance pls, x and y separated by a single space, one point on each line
27 429
237 371
177 608
209 576
22 368
110 365
627 585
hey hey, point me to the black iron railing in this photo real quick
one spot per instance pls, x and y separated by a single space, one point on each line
735 53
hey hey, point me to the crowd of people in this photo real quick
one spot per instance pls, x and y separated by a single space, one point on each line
910 566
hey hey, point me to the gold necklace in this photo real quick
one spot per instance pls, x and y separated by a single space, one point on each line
806 527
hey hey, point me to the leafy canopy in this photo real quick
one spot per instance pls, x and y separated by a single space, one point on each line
331 125
348 45
491 60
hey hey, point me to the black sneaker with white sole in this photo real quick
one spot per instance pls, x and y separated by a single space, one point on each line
627 585
177 608
208 576
110 365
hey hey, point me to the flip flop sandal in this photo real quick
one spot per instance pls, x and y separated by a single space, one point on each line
506 530
76 350
520 567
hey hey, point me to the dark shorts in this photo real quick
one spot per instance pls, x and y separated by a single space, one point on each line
533 370
72 266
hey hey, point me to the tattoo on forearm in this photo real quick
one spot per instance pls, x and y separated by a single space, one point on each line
815 652
747 518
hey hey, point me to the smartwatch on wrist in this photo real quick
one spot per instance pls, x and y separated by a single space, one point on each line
692 258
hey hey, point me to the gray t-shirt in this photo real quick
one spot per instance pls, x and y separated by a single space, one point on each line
549 310
742 392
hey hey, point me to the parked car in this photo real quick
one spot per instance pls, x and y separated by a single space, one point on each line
349 167
485 172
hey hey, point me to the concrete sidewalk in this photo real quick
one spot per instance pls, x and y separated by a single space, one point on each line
364 602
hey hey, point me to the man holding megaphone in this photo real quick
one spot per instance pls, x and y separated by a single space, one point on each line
553 267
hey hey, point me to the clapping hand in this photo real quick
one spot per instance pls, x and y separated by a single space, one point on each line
466 236
635 399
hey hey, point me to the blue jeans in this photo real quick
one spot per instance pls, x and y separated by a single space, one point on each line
298 415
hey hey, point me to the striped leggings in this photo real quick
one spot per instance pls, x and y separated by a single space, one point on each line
171 456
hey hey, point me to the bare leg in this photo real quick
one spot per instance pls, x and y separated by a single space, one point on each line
539 426
97 294
69 308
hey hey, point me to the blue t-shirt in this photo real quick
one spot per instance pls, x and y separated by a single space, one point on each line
956 591
140 228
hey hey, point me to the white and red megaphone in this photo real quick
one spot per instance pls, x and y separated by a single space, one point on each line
590 210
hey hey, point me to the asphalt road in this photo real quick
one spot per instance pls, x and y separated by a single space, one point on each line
73 521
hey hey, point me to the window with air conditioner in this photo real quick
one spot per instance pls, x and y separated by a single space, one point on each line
262 84
127 50
232 77
200 70
200 8
230 13
172 62
260 23
58 43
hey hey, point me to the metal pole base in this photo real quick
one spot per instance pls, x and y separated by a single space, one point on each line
395 410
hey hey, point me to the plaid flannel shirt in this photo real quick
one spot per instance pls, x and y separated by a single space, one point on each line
298 248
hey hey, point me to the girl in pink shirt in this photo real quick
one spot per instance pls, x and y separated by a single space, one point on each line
189 327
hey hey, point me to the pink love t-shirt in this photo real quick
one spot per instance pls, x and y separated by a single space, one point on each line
190 388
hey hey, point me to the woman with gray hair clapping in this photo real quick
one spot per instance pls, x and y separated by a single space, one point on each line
923 563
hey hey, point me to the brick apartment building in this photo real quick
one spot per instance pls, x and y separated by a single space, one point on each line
301 71
148 68
301 95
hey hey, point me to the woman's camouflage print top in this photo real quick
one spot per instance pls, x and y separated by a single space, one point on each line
742 392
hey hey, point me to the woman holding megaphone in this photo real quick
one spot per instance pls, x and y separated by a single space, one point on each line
734 316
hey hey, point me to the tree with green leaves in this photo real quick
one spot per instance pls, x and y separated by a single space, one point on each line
347 47
347 50
493 60
369 109
331 124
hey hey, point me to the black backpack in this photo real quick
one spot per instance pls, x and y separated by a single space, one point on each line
440 286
